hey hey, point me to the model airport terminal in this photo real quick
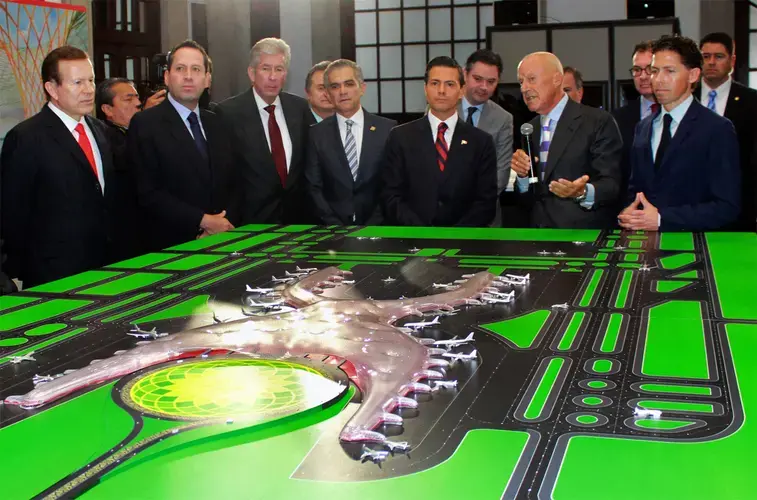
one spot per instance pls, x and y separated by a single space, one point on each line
326 362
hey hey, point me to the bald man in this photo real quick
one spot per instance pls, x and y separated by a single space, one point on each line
576 153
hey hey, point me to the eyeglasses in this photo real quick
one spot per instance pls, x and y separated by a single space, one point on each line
636 71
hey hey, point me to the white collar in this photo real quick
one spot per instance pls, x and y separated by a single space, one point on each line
451 121
262 104
358 118
723 89
69 122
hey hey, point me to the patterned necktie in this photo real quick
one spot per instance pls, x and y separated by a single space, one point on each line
712 94
277 144
350 149
546 138
471 112
200 142
667 120
441 146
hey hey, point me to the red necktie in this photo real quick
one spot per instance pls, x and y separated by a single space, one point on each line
655 108
87 148
277 144
441 146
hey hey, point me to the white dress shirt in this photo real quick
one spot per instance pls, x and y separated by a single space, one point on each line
71 124
278 113
721 99
451 124
357 130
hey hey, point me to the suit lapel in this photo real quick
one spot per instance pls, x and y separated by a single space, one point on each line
60 133
106 154
566 126
732 110
457 152
483 120
183 137
369 148
427 147
344 167
687 125
293 124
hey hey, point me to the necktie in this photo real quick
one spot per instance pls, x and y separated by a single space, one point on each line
350 149
655 109
667 120
471 112
712 94
200 142
277 144
546 139
441 146
86 147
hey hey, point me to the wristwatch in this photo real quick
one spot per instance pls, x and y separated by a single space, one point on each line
581 197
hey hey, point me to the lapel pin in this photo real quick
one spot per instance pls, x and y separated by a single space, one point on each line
373 128
736 98
463 142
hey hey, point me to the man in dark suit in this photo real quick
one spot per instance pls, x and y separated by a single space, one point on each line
635 110
116 102
346 151
270 129
57 171
737 102
182 157
439 170
685 160
577 152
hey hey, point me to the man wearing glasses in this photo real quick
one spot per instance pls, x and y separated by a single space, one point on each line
637 109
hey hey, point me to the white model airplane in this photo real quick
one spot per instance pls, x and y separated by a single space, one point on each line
498 298
564 305
542 252
306 270
295 275
145 334
377 457
515 277
268 305
20 359
454 342
415 249
281 280
620 247
236 254
264 291
42 379
389 280
397 446
579 243
422 324
446 286
455 356
348 282
644 413
645 267
444 384
559 253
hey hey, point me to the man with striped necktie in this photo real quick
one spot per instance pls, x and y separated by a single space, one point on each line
345 152
577 153
440 170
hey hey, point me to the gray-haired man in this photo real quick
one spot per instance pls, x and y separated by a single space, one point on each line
270 131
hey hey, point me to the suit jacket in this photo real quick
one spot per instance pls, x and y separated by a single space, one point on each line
741 109
264 199
337 197
55 218
175 185
418 193
697 186
586 141
627 117
499 124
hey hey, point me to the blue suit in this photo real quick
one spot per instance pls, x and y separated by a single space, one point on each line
698 185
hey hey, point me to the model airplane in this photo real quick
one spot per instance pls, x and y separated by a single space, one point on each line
267 305
542 252
348 282
498 298
20 359
264 291
145 334
295 275
645 267
306 269
236 254
397 446
559 253
446 286
422 324
282 280
456 356
377 457
41 379
516 277
444 384
564 305
454 342
389 280
644 413
579 243
620 247
414 249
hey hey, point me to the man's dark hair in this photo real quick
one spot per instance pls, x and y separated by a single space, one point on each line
681 45
321 66
104 94
577 76
719 37
645 46
189 44
485 56
51 71
446 62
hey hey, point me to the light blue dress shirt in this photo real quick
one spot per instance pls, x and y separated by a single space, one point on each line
184 112
677 115
476 115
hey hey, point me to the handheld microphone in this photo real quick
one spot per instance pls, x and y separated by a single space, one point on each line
526 130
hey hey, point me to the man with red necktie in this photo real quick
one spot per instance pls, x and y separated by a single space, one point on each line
270 131
56 177
439 170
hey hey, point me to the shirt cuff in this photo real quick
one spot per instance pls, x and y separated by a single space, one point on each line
522 183
659 220
588 202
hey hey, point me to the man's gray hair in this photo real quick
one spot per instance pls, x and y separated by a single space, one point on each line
270 46
344 63
321 66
